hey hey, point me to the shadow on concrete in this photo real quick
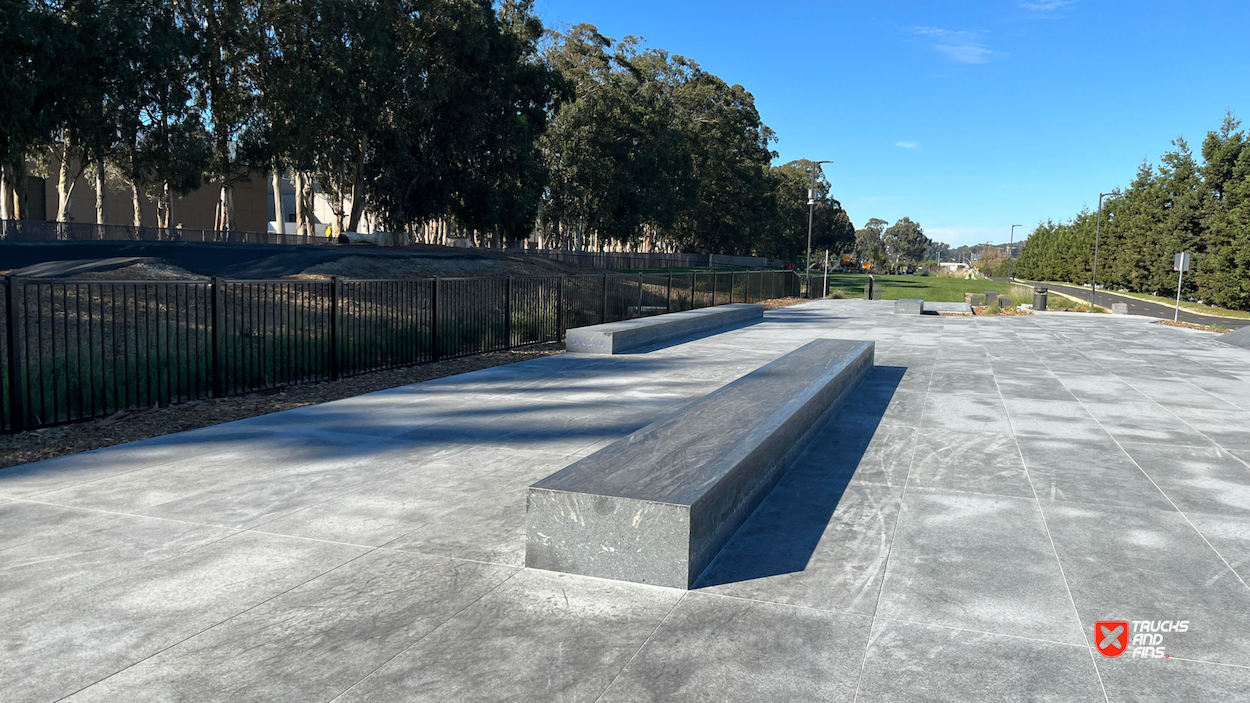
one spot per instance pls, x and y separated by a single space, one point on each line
783 532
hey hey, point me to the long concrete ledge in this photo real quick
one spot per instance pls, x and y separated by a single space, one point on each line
657 506
616 337
1237 338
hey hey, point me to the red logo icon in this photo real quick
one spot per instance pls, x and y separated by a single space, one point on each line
1111 637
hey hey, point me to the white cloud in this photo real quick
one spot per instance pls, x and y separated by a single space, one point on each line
958 46
1046 5
906 145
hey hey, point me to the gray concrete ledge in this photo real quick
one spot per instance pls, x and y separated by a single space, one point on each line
1237 338
657 506
617 337
908 306
935 308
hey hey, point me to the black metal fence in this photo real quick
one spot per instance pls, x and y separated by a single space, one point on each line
74 349
41 231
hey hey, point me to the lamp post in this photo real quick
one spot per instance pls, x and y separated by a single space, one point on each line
811 210
1011 252
1093 285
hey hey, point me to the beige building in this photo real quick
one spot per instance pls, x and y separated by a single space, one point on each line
252 203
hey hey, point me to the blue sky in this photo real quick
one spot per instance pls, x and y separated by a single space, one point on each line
968 116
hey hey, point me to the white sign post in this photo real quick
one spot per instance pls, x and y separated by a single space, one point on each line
1180 264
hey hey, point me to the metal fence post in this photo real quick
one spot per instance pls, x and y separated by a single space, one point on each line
218 331
17 406
560 309
507 312
668 305
693 281
640 295
604 315
434 320
715 281
336 290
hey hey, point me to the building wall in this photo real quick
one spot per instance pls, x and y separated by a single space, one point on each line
195 211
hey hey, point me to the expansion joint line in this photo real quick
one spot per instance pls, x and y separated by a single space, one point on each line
1145 473
889 552
1046 526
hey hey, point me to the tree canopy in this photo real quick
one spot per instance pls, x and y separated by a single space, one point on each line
1187 203
416 110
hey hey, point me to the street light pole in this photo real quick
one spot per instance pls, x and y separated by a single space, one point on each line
811 211
1093 286
1011 254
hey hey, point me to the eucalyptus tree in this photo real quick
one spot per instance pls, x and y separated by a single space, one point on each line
225 90
618 164
25 57
905 241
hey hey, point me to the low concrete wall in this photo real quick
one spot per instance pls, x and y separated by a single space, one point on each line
657 506
1237 338
908 306
617 337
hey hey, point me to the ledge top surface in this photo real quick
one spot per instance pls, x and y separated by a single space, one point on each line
679 457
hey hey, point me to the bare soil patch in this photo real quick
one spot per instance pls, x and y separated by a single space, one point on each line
50 442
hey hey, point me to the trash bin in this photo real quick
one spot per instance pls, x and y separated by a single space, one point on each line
1039 298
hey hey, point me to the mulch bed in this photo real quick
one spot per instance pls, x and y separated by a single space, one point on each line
1192 326
782 302
49 442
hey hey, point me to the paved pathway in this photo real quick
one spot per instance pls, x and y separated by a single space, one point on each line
996 487
1144 307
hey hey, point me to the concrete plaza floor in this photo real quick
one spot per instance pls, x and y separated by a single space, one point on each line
996 487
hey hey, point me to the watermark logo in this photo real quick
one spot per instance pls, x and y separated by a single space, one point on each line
1143 638
1111 636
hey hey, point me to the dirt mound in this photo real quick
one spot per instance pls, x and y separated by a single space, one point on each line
494 264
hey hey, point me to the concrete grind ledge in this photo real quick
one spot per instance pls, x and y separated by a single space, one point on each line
657 506
616 337
908 306
1237 338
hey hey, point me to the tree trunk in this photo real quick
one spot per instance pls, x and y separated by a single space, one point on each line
298 179
99 191
17 184
6 197
358 187
66 179
134 203
276 183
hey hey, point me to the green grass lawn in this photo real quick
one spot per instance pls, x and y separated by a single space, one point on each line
932 288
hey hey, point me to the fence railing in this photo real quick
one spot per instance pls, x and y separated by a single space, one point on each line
41 231
644 260
75 349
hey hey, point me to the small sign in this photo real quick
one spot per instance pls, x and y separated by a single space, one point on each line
1181 262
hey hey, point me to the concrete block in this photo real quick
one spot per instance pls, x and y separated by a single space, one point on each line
657 506
1119 308
1237 338
617 337
1004 302
932 308
908 306
974 299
